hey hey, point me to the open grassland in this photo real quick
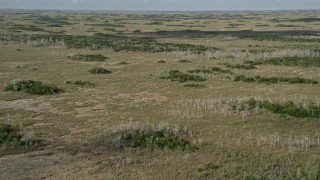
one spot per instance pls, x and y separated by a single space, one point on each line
128 95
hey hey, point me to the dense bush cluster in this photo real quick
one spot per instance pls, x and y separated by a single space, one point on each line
176 75
33 87
288 108
268 80
155 139
89 57
99 70
9 135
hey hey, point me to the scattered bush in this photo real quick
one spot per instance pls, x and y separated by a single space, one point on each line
90 57
162 61
210 71
33 87
155 139
176 75
288 108
274 80
99 71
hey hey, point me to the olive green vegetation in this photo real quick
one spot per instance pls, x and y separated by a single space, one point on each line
10 136
99 70
33 87
288 108
289 61
155 139
148 95
89 57
176 75
259 79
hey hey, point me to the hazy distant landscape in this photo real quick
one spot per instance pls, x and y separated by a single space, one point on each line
159 95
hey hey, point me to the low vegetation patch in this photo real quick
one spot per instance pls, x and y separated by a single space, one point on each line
10 136
194 85
240 66
288 108
123 63
99 70
33 87
176 75
289 61
211 70
273 80
89 57
81 83
162 61
207 170
184 61
155 140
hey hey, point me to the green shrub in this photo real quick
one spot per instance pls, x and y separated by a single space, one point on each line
10 135
274 80
162 61
289 61
33 87
288 108
184 61
176 75
99 71
89 57
155 139
210 71
244 78
194 85
123 62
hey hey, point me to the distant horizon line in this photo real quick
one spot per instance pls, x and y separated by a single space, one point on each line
128 10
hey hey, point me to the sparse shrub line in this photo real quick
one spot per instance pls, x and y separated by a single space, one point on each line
89 57
211 70
274 80
176 75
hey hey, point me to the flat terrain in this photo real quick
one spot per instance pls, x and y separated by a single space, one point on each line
241 89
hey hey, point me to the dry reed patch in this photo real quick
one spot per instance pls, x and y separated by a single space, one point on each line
26 104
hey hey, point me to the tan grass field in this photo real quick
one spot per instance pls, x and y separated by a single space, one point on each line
75 129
